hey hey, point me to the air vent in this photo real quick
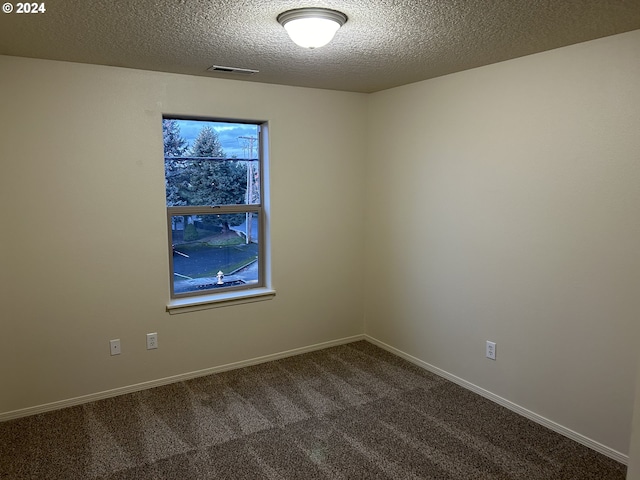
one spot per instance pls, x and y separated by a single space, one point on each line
239 71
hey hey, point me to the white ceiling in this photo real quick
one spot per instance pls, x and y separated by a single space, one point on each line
385 43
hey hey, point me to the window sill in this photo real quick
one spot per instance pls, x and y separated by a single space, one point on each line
204 302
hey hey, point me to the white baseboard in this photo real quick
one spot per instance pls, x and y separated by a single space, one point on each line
47 407
586 441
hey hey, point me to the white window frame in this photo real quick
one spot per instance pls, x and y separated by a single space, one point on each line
262 290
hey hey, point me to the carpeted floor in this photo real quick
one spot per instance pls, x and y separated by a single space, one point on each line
348 412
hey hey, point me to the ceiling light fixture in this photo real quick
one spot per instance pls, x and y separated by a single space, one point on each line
311 27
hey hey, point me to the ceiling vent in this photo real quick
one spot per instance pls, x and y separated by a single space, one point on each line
239 71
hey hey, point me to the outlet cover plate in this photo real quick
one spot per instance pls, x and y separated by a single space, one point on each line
152 341
491 350
115 346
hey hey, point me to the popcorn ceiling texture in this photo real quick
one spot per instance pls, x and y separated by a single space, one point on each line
385 43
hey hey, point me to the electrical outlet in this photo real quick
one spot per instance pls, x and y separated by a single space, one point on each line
115 346
152 341
491 350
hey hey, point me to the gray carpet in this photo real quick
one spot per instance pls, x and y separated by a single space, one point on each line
348 412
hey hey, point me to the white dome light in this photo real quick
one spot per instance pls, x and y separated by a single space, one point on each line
312 27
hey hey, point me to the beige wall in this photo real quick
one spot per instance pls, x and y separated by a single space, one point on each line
84 236
633 472
503 205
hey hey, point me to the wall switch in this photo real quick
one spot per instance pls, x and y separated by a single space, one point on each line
115 346
491 350
152 341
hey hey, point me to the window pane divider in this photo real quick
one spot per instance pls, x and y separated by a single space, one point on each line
213 209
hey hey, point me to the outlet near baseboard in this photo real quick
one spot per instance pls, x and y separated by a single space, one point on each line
115 346
152 340
491 350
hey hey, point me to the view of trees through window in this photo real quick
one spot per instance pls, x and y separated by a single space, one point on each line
213 195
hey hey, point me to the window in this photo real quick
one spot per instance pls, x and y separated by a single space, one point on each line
215 209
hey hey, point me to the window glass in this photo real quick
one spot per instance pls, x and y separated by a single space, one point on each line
213 251
214 207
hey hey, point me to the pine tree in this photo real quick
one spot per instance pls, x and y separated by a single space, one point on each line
216 182
174 144
207 144
176 171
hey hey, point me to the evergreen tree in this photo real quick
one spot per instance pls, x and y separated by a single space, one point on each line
174 144
176 171
216 182
207 144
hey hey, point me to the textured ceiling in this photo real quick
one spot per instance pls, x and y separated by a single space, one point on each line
385 43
